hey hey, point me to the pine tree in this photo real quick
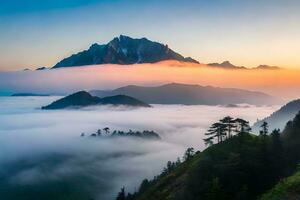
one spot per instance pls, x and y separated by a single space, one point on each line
276 153
264 129
121 194
216 130
229 123
189 153
106 129
208 141
242 126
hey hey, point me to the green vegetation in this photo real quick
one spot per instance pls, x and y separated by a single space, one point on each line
288 188
240 166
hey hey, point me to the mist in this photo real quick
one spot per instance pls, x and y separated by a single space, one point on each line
43 149
281 83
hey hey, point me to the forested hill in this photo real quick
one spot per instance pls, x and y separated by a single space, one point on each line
239 167
287 189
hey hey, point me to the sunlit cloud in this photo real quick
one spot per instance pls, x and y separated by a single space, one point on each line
283 83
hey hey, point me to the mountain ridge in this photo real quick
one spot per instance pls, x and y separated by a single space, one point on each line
83 98
123 50
228 65
177 93
279 118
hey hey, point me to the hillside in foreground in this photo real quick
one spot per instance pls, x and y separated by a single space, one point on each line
244 166
287 189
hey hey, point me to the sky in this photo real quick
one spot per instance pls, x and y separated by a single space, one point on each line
36 33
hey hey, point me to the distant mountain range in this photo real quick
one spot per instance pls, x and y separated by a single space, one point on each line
267 67
228 65
175 93
123 50
82 99
279 118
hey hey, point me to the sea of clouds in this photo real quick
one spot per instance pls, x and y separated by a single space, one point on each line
30 136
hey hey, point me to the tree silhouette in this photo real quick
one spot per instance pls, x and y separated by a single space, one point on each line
224 129
229 124
264 129
208 141
106 129
242 126
121 194
215 130
276 140
189 153
144 185
178 161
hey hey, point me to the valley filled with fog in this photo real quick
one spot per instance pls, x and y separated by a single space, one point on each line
43 148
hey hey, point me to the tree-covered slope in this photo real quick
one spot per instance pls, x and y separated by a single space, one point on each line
243 166
286 189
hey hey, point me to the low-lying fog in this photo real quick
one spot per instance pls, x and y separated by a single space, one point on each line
279 83
43 149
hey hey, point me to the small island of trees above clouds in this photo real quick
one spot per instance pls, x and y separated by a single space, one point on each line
106 132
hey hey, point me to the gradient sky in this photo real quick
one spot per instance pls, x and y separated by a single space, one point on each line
37 33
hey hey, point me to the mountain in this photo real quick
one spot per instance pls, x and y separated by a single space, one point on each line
29 95
122 100
123 50
279 118
176 93
82 98
41 68
267 67
226 65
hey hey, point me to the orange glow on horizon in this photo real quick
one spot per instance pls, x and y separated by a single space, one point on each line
283 83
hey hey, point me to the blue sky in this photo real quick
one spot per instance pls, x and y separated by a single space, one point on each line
250 32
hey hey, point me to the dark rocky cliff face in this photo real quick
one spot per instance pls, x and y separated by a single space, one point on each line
123 50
